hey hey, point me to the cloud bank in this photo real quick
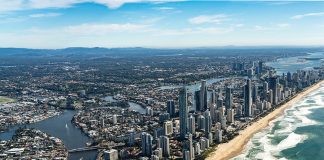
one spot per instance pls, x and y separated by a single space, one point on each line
15 5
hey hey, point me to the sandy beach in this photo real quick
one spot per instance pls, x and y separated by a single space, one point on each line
236 145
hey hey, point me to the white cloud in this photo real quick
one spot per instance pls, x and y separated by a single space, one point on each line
193 31
317 14
280 26
113 29
164 8
99 29
14 5
170 10
10 5
281 2
41 4
239 25
42 15
150 20
283 25
261 28
115 3
218 18
5 20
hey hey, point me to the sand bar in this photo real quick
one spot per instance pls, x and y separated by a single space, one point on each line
235 146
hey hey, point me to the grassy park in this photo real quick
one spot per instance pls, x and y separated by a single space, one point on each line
6 100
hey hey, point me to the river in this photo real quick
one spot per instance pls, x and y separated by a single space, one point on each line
61 126
132 106
292 64
195 86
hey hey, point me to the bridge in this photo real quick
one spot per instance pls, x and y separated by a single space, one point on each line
83 149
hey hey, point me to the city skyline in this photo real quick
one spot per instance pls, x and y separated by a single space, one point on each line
159 23
161 79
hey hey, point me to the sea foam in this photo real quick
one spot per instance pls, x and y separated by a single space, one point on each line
262 146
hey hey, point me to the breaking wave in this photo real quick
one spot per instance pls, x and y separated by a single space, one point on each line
281 133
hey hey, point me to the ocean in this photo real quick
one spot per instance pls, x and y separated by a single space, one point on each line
299 133
296 135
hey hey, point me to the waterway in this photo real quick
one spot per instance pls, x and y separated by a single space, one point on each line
195 86
132 106
292 64
61 126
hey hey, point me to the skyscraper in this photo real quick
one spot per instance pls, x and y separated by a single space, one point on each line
219 136
197 100
289 77
171 108
149 111
260 66
273 84
219 102
213 97
188 146
191 150
201 123
203 96
211 138
250 73
197 148
255 93
165 145
147 140
208 123
168 128
186 155
213 112
247 99
192 123
114 119
230 115
203 143
131 139
265 89
164 117
183 111
228 98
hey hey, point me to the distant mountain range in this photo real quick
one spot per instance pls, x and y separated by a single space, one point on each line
139 51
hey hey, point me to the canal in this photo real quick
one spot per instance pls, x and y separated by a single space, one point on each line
61 126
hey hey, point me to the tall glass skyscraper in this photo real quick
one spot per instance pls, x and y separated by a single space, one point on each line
273 84
147 140
203 96
228 98
248 99
183 112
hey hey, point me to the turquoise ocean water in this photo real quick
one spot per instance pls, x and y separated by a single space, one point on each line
299 133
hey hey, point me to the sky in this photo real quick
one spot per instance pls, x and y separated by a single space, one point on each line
159 23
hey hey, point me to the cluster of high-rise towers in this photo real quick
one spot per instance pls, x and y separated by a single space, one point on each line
215 111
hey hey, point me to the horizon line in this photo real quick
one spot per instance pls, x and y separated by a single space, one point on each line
201 47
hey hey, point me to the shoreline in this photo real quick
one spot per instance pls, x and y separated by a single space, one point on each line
235 146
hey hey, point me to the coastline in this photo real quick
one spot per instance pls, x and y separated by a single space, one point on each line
235 146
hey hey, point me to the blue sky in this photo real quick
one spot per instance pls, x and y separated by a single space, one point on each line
159 23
